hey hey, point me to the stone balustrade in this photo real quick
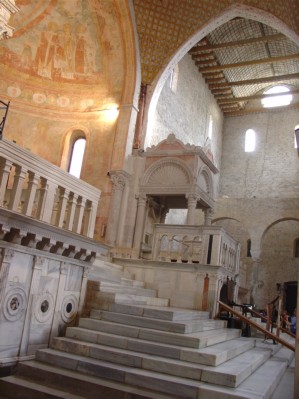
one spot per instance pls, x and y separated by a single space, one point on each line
196 244
36 188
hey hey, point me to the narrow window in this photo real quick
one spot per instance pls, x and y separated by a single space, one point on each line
77 157
296 137
296 248
174 76
248 248
210 131
250 140
279 100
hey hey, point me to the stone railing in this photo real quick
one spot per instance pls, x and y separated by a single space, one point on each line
196 244
36 188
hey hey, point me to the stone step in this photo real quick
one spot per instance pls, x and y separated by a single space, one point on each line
131 350
104 299
19 388
134 283
83 384
123 289
155 312
193 340
230 374
186 326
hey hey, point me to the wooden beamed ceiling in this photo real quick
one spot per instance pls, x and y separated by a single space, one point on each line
244 58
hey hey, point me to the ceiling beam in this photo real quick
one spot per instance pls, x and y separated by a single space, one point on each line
258 110
291 76
253 97
261 39
248 63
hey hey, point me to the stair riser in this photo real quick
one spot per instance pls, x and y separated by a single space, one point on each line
106 298
157 349
159 313
16 392
80 387
183 327
134 377
156 336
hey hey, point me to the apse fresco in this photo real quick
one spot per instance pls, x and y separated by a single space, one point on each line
59 47
64 53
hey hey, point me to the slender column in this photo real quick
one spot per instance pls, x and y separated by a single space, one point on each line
15 196
83 291
255 272
63 198
118 179
79 215
208 216
192 202
5 167
139 120
31 192
141 206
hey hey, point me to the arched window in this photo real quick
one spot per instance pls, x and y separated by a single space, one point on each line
296 248
210 131
279 100
249 140
248 248
296 137
77 155
174 76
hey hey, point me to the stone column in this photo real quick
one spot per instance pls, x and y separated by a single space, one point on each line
208 216
119 179
139 121
255 254
141 206
192 203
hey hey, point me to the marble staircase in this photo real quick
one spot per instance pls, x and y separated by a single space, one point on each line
134 350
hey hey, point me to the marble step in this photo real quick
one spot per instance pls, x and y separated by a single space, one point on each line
186 326
123 289
131 282
129 351
104 299
230 374
19 388
193 340
155 312
82 384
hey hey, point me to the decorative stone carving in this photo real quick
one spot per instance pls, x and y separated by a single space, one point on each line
44 307
7 7
69 308
15 303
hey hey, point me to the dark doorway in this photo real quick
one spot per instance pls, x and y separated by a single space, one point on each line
290 296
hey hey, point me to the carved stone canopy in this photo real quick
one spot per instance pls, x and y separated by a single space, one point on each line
175 169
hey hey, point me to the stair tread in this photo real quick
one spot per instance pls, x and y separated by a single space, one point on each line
211 355
191 339
184 326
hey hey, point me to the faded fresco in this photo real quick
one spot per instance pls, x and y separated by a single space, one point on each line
62 42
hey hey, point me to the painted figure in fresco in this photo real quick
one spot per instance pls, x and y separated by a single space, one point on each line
45 54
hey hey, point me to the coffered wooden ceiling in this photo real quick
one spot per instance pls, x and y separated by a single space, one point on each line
241 59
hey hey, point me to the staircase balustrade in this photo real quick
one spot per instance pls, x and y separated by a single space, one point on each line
36 188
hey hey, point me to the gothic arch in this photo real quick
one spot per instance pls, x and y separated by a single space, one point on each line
233 11
205 181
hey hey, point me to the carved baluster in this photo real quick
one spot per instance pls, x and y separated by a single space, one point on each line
31 192
17 188
5 167
71 209
46 200
63 198
90 218
79 215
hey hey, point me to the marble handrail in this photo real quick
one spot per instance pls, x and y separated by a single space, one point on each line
36 188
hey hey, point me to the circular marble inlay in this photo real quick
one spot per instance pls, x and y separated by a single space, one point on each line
15 303
43 307
69 308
